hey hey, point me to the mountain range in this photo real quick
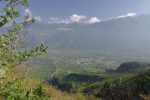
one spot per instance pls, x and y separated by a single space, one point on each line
130 35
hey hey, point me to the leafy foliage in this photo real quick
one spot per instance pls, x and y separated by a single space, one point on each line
39 91
13 52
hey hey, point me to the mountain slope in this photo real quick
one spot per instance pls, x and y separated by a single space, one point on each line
130 35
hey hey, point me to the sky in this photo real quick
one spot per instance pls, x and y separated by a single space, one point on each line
69 11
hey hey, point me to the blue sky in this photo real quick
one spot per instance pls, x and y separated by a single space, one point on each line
101 9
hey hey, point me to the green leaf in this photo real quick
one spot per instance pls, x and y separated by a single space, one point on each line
7 8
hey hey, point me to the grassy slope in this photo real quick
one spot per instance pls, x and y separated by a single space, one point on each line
54 93
51 91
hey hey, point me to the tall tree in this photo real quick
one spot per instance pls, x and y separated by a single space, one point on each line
12 51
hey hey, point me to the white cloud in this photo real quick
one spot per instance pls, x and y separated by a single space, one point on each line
93 20
38 18
27 12
123 16
72 19
127 15
76 18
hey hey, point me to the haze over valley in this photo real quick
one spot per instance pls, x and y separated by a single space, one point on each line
126 36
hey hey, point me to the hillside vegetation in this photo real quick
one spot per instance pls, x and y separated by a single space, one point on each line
73 77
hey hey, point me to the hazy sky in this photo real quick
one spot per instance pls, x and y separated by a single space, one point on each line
101 9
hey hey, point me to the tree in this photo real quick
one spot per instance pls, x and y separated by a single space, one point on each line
12 51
